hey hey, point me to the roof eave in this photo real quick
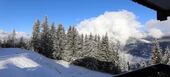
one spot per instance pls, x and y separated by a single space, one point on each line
149 5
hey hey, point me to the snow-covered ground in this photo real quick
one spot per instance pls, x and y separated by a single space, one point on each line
16 62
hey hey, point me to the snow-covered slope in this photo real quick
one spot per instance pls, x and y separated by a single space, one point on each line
16 62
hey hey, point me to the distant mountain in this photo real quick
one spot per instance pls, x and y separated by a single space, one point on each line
143 47
5 35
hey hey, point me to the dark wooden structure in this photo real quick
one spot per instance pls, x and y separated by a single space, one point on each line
161 6
159 70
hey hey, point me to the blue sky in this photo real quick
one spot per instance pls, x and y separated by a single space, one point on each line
21 14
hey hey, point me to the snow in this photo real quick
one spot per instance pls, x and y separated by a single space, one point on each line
15 62
145 41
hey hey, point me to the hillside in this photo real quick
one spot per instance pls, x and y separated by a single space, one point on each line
16 62
139 48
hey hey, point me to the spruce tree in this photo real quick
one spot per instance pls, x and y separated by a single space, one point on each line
68 45
72 43
166 56
79 43
104 53
60 42
156 53
22 43
53 40
45 39
13 38
35 41
168 62
91 47
86 46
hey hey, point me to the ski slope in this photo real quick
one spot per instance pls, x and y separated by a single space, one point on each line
15 62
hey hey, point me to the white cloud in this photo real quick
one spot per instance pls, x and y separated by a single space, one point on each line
1 31
119 24
156 33
158 28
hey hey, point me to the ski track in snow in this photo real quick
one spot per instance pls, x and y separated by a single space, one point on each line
15 62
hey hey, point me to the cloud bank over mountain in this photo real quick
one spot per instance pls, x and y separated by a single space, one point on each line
119 25
4 35
158 28
123 24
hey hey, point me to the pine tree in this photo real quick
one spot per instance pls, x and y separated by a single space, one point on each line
72 43
79 49
60 42
68 45
22 43
53 40
156 53
104 53
45 39
86 46
114 55
28 45
13 38
81 46
166 56
91 47
75 42
35 41
116 50
123 63
8 42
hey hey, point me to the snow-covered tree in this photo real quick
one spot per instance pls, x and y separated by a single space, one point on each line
104 52
85 46
123 66
156 53
22 43
10 41
166 56
35 40
114 54
28 44
53 40
72 43
168 62
91 49
80 46
45 39
13 38
60 42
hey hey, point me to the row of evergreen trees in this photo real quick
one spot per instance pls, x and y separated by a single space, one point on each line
69 45
11 41
159 56
58 44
